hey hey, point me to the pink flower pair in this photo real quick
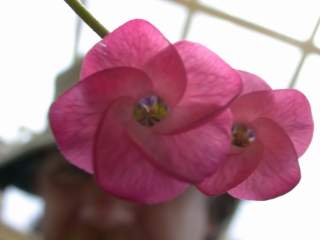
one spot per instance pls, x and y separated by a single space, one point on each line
149 118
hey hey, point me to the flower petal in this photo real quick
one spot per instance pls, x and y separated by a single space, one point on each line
132 44
212 85
166 70
289 108
191 155
239 164
278 171
74 116
122 168
252 83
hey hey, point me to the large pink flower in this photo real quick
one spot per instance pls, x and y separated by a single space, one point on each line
271 129
143 118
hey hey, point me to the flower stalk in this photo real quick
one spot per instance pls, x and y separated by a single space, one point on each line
87 17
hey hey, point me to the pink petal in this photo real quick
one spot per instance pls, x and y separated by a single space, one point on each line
140 45
278 171
212 85
191 155
166 70
252 83
288 108
122 168
75 115
132 44
239 164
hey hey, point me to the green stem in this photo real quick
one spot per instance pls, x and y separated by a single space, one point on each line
86 16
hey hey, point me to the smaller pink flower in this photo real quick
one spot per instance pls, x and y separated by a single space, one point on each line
271 129
143 117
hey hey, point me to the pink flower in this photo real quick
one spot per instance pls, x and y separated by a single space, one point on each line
271 129
143 117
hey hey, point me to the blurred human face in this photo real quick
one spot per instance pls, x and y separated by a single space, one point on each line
76 209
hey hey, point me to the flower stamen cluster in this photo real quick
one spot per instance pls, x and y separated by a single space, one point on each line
150 110
242 136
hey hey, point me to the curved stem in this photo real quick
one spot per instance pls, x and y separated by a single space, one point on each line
87 17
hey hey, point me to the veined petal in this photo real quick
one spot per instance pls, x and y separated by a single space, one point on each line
191 155
252 83
74 116
122 168
278 171
212 85
288 108
239 164
167 73
132 45
292 111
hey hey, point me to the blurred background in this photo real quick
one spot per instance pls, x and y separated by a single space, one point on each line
277 40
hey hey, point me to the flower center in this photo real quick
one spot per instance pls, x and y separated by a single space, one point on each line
150 110
242 136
